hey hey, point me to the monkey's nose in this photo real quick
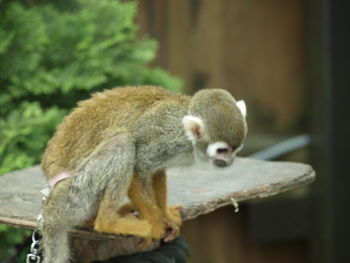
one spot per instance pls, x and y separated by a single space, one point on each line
220 163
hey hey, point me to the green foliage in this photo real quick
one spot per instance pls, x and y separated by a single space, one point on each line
54 53
9 237
23 132
50 58
92 47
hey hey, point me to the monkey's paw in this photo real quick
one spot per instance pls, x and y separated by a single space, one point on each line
158 229
164 227
158 221
157 232
124 226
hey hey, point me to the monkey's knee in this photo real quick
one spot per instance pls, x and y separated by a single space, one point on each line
67 208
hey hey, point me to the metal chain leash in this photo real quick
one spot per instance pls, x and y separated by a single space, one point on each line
35 249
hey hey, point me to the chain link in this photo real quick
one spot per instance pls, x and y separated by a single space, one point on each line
34 255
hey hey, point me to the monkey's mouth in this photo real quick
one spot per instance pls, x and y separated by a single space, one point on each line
222 163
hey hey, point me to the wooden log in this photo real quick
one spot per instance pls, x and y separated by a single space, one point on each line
198 189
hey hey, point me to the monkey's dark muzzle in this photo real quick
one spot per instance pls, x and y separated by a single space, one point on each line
222 163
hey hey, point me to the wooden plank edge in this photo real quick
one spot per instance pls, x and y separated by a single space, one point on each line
261 192
190 212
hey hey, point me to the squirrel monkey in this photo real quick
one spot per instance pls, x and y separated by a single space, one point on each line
119 143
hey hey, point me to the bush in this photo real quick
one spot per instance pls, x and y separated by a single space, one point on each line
50 58
52 55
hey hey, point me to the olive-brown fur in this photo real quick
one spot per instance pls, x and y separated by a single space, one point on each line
119 143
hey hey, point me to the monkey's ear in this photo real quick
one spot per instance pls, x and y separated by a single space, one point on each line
243 108
194 127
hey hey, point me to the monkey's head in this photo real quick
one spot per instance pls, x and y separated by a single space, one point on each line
216 125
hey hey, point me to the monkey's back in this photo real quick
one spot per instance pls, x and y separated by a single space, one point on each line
97 119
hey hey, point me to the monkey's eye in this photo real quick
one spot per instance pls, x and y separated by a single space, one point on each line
222 150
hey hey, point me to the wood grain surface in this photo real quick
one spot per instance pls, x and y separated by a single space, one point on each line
198 189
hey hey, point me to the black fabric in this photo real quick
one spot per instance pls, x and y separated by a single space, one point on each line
176 251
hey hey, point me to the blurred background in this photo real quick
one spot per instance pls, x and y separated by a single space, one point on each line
289 60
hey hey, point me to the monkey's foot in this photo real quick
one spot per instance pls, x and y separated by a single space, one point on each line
158 231
125 226
156 219
164 227
158 227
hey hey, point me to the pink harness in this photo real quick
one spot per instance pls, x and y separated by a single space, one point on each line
53 181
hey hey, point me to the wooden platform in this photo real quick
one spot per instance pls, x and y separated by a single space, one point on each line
199 190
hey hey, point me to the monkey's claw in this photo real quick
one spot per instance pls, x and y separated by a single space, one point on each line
173 223
170 233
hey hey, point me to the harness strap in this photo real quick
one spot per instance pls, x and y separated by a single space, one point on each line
53 181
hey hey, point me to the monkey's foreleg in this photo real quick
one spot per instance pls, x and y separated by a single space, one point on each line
149 199
172 216
140 195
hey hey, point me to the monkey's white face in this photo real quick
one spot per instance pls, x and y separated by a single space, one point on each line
219 153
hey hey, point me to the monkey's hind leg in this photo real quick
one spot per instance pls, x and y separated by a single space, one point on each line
76 199
59 218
